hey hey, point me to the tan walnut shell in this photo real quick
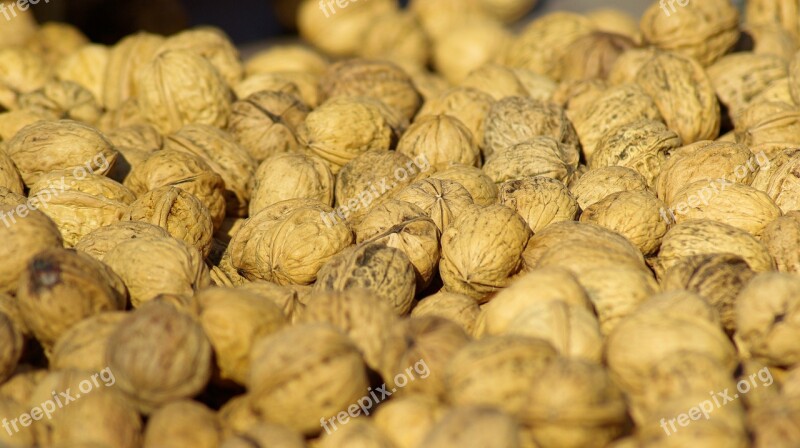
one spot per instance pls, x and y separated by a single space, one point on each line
782 237
331 365
13 342
100 241
281 177
468 45
739 78
24 234
287 242
407 420
480 186
158 355
439 139
781 14
336 31
9 176
593 55
396 36
539 156
496 80
482 249
21 71
84 345
125 60
598 183
459 308
540 201
442 200
475 426
62 100
54 40
212 44
470 106
183 423
141 137
286 58
87 67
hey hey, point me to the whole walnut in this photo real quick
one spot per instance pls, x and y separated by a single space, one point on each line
470 106
703 31
83 346
396 36
13 343
364 316
21 71
473 426
637 215
404 226
593 55
139 137
576 95
25 232
739 78
375 79
126 59
18 31
539 156
47 146
300 84
330 364
183 423
598 183
616 292
86 67
150 266
782 14
384 271
439 17
223 155
183 170
266 123
62 100
767 122
683 93
540 201
178 88
459 308
339 31
628 65
514 120
13 121
100 241
482 249
212 44
54 40
286 58
233 319
782 183
407 420
467 46
294 236
614 20
342 128
158 355
703 236
264 434
180 213
285 176
480 186
442 200
440 139
781 237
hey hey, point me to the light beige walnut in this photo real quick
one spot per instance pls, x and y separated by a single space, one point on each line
178 88
359 432
287 176
782 14
330 364
13 121
616 292
539 87
13 343
641 145
628 65
482 249
637 215
212 44
24 233
684 95
496 80
439 17
698 237
767 122
8 197
576 95
480 186
613 20
19 28
703 31
300 84
470 106
782 182
739 78
598 183
459 308
182 423
540 201
539 156
264 435
339 31
406 420
396 36
62 100
21 71
86 66
100 241
224 156
54 40
442 200
593 55
475 426
47 146
142 137
84 345
440 139
288 58
125 60
128 114
782 237
287 242
150 266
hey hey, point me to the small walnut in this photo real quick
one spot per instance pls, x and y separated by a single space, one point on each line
62 100
212 44
480 186
24 233
440 139
613 20
475 426
467 46
496 80
459 308
616 292
54 40
339 31
577 95
593 55
540 201
468 105
86 67
281 177
300 84
637 215
539 156
178 88
14 121
83 346
767 122
287 58
783 14
100 241
628 65
158 355
125 60
183 423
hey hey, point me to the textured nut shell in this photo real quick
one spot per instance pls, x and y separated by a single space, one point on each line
183 423
331 365
84 345
361 314
781 237
429 340
158 355
178 88
701 30
480 186
87 67
616 291
407 420
495 371
636 215
470 106
21 71
360 433
440 139
287 242
100 241
593 55
59 145
442 200
8 197
301 84
11 351
128 114
62 100
482 249
406 227
25 437
265 434
740 77
126 59
54 40
9 307
496 80
539 156
384 271
782 14
615 21
142 137
704 236
286 58
9 176
684 95
467 46
13 121
22 239
212 44
475 426
281 177
397 37
782 183
459 308
598 183
150 266
233 319
514 120
577 95
342 34
766 318
540 201
439 17
628 65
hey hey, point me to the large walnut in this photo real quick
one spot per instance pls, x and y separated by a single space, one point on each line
24 233
285 176
440 139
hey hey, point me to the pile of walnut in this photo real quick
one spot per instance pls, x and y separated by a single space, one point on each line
587 231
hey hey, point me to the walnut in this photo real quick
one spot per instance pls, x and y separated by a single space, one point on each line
62 100
540 201
54 40
593 55
339 31
141 137
628 65
19 30
616 292
440 139
478 425
281 177
83 346
739 78
14 121
576 95
781 237
24 437
396 36
598 183
637 215
9 176
360 432
440 17
300 84
539 156
86 66
615 21
286 58
406 420
100 241
212 44
467 46
468 105
459 308
126 59
496 80
181 423
482 249
480 186
442 200
13 342
767 122
21 71
24 233
539 87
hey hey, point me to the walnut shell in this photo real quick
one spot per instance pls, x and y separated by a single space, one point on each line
496 80
62 100
100 241
384 271
9 307
125 60
339 31
781 237
480 186
515 120
737 86
475 426
482 249
406 420
598 183
54 40
143 137
766 315
442 200
540 201
417 342
396 36
8 197
86 66
782 183
539 156
406 227
212 44
183 423
300 84
18 31
25 437
684 95
628 65
703 236
577 95
440 139
593 55
359 433
616 291
9 176
330 364
60 145
13 342
25 233
21 71
703 31
362 315
221 152
84 345
14 121
286 58
459 308
293 236
470 106
781 14
159 354
637 215
770 122
150 266
509 11
178 88
281 177
440 17
770 40
495 371
264 435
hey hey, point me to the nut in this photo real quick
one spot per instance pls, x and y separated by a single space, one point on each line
598 183
461 309
62 100
439 139
183 423
540 201
23 236
539 156
480 186
593 55
126 59
285 176
100 241
442 200
86 66
470 106
213 45
83 346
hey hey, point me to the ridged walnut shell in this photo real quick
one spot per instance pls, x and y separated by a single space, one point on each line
126 59
539 156
540 201
442 200
593 55
616 292
87 67
9 176
84 345
285 176
598 183
637 215
459 308
782 238
440 139
212 44
480 186
407 420
21 71
24 233
183 423
101 240
739 78
63 100
470 106
475 426
496 80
